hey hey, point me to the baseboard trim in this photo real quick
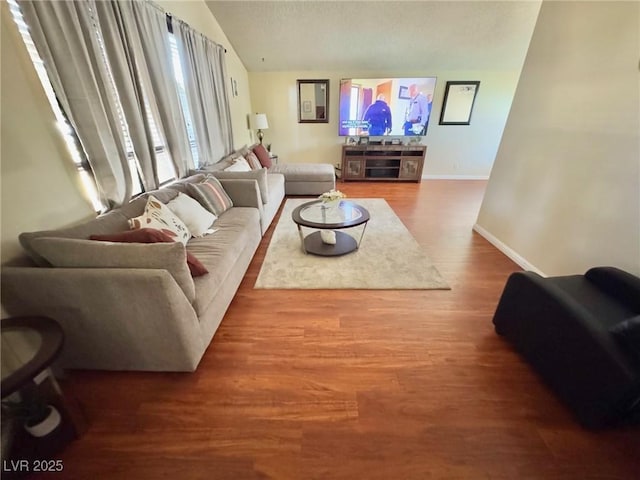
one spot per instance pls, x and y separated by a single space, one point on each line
508 251
455 177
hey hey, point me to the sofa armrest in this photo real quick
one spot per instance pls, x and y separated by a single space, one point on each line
243 192
560 338
113 318
617 283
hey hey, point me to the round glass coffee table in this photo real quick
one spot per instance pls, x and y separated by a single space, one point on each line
319 216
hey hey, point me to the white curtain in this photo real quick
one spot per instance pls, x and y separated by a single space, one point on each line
111 67
64 35
146 24
206 88
129 80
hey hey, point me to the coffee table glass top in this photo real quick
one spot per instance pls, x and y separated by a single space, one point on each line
317 213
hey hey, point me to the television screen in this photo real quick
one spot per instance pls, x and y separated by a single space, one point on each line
385 106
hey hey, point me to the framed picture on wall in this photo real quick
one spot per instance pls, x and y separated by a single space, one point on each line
457 105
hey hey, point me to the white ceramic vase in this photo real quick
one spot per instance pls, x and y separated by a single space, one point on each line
331 204
328 237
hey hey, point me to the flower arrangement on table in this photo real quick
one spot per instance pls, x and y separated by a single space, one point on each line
330 201
332 196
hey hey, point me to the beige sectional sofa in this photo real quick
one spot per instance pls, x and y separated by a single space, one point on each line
145 311
136 318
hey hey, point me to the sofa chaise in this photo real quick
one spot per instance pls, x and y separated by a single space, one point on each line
299 178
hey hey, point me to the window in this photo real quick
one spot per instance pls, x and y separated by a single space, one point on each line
164 165
184 104
68 134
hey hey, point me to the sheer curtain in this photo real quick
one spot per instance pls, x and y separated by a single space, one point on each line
147 26
129 80
64 35
205 73
111 67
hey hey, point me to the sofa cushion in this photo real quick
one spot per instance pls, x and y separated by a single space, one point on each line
197 218
253 160
627 334
211 195
163 195
181 185
240 164
220 251
158 215
224 161
151 235
259 176
262 155
134 208
111 222
73 253
305 172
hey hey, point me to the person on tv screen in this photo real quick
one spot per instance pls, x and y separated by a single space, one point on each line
378 116
417 115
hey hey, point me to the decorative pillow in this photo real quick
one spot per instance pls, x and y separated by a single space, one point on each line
240 164
259 176
263 155
197 218
151 235
211 195
74 253
253 160
158 215
627 333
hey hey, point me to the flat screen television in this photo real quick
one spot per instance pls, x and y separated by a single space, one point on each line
385 106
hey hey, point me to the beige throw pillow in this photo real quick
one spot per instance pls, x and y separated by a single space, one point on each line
240 164
197 218
253 160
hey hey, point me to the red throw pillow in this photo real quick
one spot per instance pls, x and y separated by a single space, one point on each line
151 235
263 155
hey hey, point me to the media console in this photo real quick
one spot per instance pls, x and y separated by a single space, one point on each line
399 163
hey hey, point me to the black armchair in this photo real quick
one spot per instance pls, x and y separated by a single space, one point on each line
581 333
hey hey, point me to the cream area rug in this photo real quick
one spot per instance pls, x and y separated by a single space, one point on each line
389 258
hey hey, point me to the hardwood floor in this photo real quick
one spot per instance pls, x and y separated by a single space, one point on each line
353 384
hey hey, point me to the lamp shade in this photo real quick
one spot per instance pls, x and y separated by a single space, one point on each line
259 121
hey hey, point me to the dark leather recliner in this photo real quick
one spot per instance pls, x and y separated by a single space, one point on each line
581 334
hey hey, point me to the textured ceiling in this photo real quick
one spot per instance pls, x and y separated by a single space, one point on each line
401 36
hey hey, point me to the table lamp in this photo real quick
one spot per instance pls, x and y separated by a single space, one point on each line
259 122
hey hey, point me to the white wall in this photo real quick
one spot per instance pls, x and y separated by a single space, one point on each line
564 193
452 151
40 187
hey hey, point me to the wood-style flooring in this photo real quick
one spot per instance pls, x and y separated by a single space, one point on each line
353 384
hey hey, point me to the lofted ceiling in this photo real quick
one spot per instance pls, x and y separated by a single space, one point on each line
400 36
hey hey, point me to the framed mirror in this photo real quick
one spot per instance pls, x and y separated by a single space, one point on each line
457 106
313 101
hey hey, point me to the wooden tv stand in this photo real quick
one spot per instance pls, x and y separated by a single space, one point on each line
395 163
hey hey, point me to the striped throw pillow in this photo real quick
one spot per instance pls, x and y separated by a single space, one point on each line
211 195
